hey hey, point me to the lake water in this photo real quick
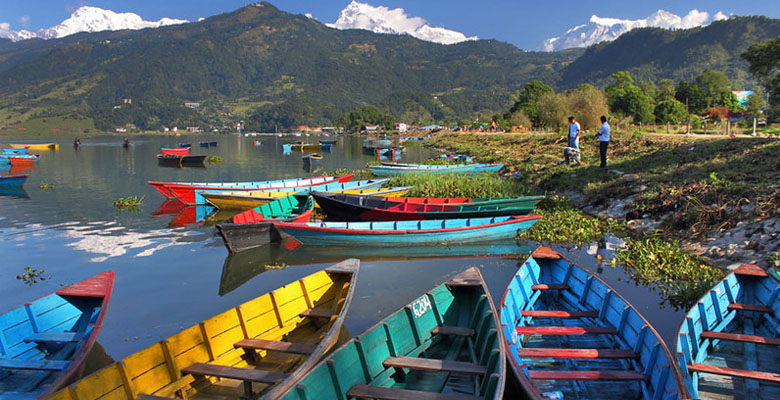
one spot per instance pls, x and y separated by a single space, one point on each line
172 272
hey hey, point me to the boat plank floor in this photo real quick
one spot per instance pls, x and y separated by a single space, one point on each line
452 331
588 375
739 373
38 365
242 374
375 392
318 313
55 337
150 397
750 307
577 353
741 338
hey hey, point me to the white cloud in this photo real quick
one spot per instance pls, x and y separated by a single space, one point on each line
24 20
308 15
382 19
601 29
720 16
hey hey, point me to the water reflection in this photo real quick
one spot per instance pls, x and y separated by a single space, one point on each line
14 191
243 266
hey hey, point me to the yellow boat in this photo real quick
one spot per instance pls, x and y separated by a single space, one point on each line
38 146
229 200
262 347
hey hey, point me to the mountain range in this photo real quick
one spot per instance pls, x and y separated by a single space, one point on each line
275 68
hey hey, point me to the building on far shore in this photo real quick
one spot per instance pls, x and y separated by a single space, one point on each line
373 128
401 127
192 105
194 129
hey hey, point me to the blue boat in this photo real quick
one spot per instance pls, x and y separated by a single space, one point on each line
407 233
569 334
13 180
328 142
46 342
728 346
390 169
5 158
16 150
208 144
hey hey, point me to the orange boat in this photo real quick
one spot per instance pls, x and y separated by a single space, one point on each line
23 160
179 151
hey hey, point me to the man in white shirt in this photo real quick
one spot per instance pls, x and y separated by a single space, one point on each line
574 136
603 135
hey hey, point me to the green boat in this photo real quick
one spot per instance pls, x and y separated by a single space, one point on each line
443 345
254 228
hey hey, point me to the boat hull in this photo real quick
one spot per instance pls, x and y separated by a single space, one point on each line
181 151
408 233
38 146
13 180
553 312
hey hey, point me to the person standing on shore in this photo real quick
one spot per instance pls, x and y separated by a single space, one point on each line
603 135
574 136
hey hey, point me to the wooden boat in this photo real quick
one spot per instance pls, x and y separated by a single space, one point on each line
16 150
569 334
330 142
407 233
255 227
267 343
46 342
208 144
518 201
181 151
445 341
23 159
37 146
185 145
187 192
388 169
370 144
168 160
301 146
728 344
388 152
413 138
258 143
459 157
244 200
348 207
313 157
13 180
6 158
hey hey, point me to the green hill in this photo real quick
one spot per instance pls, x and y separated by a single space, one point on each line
270 68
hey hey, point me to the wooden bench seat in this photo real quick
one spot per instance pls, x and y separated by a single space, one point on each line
383 393
560 314
39 365
241 374
55 337
740 373
432 364
750 307
741 338
566 330
551 286
453 331
588 375
750 270
577 353
274 345
318 313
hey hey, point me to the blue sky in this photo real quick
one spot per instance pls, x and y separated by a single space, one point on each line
520 22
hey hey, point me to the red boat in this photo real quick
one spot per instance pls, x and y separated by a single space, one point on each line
181 151
23 161
186 191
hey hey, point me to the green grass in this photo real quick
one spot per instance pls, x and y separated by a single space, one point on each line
457 185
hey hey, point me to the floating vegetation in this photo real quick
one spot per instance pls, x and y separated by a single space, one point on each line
31 276
562 223
360 174
457 185
129 203
774 259
214 160
46 186
680 277
276 266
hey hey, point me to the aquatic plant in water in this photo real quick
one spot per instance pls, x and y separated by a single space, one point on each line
213 160
46 186
31 276
562 223
129 203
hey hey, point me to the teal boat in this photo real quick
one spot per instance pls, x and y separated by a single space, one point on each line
389 169
443 345
728 346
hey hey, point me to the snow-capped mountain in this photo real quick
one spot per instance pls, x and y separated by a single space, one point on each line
602 29
88 19
384 20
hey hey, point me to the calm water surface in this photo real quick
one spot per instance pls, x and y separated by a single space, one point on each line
172 272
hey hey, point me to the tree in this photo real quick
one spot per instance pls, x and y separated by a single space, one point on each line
764 60
754 106
526 100
670 111
588 104
666 90
628 99
691 94
551 110
715 88
358 119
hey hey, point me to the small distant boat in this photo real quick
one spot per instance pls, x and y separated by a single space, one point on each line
388 169
569 334
371 144
173 160
187 192
407 233
302 146
442 345
185 145
254 228
459 157
413 138
169 160
728 346
46 342
208 144
181 151
37 146
389 152
22 160
258 143
244 200
312 158
15 150
347 207
13 180
328 142
245 343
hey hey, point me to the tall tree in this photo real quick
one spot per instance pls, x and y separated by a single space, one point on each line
764 60
527 99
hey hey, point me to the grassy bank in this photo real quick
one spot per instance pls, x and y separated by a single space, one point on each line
693 183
